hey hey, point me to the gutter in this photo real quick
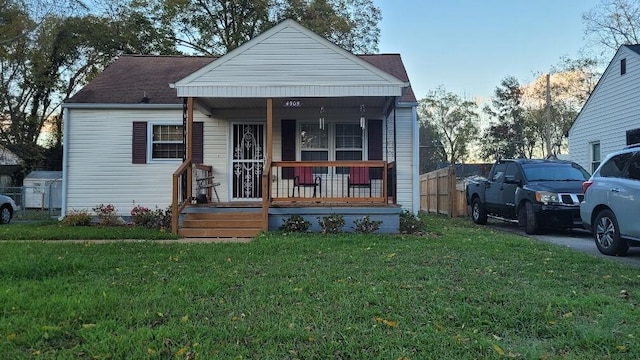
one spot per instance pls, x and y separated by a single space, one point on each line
65 163
121 106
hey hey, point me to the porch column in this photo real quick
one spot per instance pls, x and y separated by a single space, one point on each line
266 178
269 129
189 144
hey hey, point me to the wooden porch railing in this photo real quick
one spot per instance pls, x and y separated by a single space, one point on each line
329 181
325 182
182 192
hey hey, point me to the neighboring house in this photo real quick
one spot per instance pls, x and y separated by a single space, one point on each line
10 165
610 118
287 123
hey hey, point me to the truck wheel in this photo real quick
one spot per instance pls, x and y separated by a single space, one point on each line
607 234
531 226
478 214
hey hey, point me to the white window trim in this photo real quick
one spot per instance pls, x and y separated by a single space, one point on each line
150 159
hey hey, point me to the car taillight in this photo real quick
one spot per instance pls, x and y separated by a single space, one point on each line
585 186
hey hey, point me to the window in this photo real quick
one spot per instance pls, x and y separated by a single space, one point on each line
512 170
499 172
595 156
615 166
623 66
336 142
634 167
348 144
166 142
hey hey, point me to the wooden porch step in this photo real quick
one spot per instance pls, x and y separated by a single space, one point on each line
221 224
218 233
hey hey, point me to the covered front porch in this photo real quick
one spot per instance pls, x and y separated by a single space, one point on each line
291 121
255 189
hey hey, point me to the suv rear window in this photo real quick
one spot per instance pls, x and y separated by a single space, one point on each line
554 172
615 165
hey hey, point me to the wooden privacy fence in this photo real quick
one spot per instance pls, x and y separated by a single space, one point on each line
441 193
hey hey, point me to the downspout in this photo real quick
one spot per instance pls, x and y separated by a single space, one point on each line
65 161
416 160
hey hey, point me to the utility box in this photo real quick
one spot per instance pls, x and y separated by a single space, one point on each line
43 190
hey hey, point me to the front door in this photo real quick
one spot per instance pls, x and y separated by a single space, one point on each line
247 161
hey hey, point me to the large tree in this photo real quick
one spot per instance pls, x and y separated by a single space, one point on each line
47 60
613 23
454 119
570 84
509 134
217 26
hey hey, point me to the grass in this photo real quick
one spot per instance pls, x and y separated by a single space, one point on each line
459 292
53 230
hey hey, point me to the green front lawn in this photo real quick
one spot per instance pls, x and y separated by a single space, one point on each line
459 292
54 230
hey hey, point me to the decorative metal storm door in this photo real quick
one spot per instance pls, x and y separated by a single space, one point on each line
248 161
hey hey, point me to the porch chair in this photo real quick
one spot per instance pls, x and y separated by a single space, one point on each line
204 184
358 178
303 177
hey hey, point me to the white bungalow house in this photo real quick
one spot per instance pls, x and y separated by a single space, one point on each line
287 123
610 118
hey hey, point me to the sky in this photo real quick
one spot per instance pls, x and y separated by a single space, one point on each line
469 46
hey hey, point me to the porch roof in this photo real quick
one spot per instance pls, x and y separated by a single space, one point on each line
146 79
289 60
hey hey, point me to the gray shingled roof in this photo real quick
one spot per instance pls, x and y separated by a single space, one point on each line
635 48
132 77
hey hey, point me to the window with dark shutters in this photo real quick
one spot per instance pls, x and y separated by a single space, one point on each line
140 144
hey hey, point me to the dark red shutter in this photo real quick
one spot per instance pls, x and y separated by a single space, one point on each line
374 145
288 133
139 143
197 155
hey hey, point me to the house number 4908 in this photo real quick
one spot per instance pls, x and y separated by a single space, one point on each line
293 103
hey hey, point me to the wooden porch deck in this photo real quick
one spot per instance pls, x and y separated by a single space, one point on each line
368 190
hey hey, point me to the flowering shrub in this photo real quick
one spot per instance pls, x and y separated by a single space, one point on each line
295 223
156 219
77 218
106 214
142 216
331 224
366 225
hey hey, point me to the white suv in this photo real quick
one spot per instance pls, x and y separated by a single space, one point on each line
611 206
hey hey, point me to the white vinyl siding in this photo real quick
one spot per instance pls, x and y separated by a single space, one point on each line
100 144
404 166
287 61
99 157
610 112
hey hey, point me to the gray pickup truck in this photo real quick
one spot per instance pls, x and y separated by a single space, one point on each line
534 193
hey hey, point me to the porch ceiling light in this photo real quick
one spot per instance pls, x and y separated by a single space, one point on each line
362 119
321 119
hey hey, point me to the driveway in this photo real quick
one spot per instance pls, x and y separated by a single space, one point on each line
576 239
